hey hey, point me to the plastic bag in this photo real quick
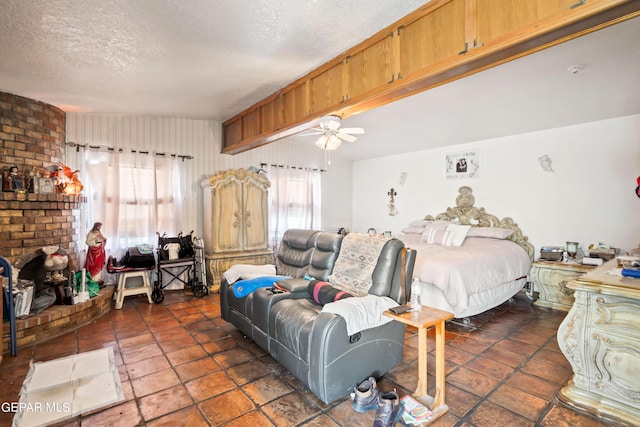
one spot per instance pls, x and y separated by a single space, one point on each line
23 297
92 286
186 245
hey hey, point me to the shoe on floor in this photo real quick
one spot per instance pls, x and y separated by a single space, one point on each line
365 396
390 409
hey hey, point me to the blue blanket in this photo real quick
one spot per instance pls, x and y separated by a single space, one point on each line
242 288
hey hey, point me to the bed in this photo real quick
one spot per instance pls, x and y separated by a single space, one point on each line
468 261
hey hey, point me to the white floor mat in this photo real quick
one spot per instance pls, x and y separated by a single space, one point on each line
67 387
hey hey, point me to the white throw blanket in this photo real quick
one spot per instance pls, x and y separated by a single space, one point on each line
247 271
361 313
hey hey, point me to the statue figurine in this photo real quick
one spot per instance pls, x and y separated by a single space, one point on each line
96 256
12 180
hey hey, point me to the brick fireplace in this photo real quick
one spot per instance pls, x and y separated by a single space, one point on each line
32 137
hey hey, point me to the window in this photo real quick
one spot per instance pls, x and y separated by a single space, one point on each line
294 200
134 195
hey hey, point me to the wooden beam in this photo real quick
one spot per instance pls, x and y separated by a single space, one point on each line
477 55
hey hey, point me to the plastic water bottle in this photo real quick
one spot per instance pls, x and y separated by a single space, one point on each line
415 293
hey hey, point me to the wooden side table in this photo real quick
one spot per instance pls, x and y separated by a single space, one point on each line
423 318
550 280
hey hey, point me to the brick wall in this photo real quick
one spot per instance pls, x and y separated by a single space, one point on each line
32 136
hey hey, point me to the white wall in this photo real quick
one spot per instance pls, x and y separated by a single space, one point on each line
202 140
590 197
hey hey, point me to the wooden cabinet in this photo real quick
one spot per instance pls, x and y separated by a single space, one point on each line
601 340
441 41
432 38
269 117
371 68
327 88
550 280
495 19
235 221
295 104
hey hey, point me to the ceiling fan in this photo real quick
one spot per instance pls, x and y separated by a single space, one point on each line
332 135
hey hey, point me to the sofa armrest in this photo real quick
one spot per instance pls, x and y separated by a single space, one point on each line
338 362
295 285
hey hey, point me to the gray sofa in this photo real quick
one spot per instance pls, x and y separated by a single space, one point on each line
314 346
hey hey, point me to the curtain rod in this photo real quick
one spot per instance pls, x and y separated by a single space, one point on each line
97 147
262 165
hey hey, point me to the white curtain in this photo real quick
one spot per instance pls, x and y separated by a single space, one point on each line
134 195
294 200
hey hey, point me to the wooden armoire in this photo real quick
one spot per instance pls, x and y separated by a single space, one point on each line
235 222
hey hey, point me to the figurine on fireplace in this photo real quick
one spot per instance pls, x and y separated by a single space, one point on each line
12 180
66 180
96 256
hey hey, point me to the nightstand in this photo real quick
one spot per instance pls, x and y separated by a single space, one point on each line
549 279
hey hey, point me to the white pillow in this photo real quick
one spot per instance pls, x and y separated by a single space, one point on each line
490 232
456 234
434 232
445 233
413 230
419 223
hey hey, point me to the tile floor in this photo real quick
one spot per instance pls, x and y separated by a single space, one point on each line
181 364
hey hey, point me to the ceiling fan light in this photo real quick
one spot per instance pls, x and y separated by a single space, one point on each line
332 143
321 142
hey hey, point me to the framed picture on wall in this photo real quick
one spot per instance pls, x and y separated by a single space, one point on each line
46 185
465 164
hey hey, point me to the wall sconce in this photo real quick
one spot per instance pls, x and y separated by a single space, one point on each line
545 163
403 178
391 206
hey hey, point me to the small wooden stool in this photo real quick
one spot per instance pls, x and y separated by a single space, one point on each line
122 291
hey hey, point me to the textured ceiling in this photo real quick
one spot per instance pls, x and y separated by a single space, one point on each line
211 59
195 58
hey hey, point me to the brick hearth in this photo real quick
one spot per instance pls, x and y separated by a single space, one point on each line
57 320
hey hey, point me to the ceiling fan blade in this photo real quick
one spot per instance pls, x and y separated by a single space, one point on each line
346 137
353 131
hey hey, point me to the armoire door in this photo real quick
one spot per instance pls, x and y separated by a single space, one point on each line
255 215
227 216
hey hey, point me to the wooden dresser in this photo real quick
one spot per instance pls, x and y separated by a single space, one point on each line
235 222
600 337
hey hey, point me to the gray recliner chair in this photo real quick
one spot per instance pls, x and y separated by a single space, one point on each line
314 345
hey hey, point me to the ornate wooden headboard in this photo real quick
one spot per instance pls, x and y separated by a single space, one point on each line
467 214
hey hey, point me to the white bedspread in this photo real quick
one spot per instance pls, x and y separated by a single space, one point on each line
479 264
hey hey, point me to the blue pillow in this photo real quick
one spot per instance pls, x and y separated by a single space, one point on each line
242 288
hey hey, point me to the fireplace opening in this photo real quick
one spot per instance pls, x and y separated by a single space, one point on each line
43 275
